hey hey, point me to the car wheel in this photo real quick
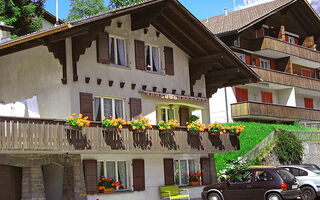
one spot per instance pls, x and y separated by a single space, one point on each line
274 196
308 193
214 196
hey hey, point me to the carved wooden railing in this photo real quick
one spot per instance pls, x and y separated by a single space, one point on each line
44 135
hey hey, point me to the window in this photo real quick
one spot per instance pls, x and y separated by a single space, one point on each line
152 56
236 42
291 40
108 108
306 72
117 52
297 172
264 63
241 95
308 103
266 97
262 176
242 177
182 169
116 170
241 56
167 114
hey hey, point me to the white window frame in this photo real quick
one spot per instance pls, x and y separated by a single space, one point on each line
167 108
197 168
236 42
113 106
291 40
151 60
116 52
264 63
116 171
241 56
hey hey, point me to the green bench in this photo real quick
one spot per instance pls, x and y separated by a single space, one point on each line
173 192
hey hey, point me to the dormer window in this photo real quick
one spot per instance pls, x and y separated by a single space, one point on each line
117 51
152 58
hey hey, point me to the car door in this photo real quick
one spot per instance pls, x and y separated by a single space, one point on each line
239 186
262 182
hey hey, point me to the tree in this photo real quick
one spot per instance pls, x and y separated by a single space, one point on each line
85 8
24 15
120 3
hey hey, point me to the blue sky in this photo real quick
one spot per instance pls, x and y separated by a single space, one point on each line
207 8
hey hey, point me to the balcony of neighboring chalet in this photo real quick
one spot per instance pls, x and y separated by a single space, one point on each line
31 135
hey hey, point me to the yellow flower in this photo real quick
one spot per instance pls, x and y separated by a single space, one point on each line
80 115
103 118
120 126
73 114
81 124
169 128
134 128
143 128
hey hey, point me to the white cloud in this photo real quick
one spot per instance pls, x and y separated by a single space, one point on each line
250 3
316 5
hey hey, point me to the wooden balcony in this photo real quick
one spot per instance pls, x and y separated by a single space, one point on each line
269 43
284 78
247 110
46 135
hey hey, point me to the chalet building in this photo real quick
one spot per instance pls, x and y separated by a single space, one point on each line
280 41
133 61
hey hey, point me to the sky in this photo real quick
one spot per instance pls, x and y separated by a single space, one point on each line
205 9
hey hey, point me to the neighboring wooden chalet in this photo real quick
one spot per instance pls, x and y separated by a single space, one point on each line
280 41
153 59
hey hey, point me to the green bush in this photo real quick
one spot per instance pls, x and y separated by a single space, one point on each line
288 149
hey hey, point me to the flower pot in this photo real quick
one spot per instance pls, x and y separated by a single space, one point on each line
194 183
108 190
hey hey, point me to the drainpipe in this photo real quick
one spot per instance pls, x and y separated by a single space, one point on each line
227 108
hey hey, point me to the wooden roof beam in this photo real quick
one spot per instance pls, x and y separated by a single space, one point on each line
223 73
199 61
230 83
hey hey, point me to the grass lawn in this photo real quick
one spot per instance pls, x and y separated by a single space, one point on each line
253 134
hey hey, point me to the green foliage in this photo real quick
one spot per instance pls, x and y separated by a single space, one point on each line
253 134
24 15
85 8
120 3
193 118
288 149
232 167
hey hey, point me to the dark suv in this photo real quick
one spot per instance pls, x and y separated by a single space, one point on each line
256 184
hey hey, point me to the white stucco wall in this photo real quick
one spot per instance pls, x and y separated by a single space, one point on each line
154 175
287 97
300 100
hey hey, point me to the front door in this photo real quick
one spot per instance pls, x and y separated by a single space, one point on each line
184 115
239 186
10 182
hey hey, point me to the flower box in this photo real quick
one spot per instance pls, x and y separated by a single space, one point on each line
108 190
166 132
194 183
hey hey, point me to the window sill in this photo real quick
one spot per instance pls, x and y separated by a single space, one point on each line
158 73
119 66
116 192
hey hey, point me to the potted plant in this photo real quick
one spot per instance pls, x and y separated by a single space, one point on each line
140 125
194 178
78 122
195 127
216 129
107 185
113 123
236 130
167 127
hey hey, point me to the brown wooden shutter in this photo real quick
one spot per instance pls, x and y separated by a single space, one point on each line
86 105
168 171
140 54
168 57
90 176
135 108
103 48
205 168
138 175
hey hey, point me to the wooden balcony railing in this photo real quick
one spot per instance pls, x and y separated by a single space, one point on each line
44 135
264 110
284 78
284 47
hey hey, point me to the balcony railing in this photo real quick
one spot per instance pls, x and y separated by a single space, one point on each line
246 110
284 78
285 47
44 135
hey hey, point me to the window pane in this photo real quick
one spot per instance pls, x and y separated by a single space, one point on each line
111 50
97 109
147 54
122 174
118 108
111 170
192 167
184 172
176 172
163 114
155 59
107 104
262 176
100 170
121 52
170 114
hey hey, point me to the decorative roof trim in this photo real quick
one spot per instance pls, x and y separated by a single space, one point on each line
174 96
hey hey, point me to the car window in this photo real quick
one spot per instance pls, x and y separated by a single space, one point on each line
285 175
314 170
298 172
262 176
242 177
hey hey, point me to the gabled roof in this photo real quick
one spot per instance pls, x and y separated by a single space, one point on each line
239 20
50 17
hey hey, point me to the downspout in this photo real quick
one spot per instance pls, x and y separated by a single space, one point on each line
226 100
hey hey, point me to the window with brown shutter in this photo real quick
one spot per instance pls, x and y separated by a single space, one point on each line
205 167
135 108
90 176
103 48
140 54
169 63
138 175
168 171
86 105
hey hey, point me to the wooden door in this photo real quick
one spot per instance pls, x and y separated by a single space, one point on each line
266 97
184 115
10 182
